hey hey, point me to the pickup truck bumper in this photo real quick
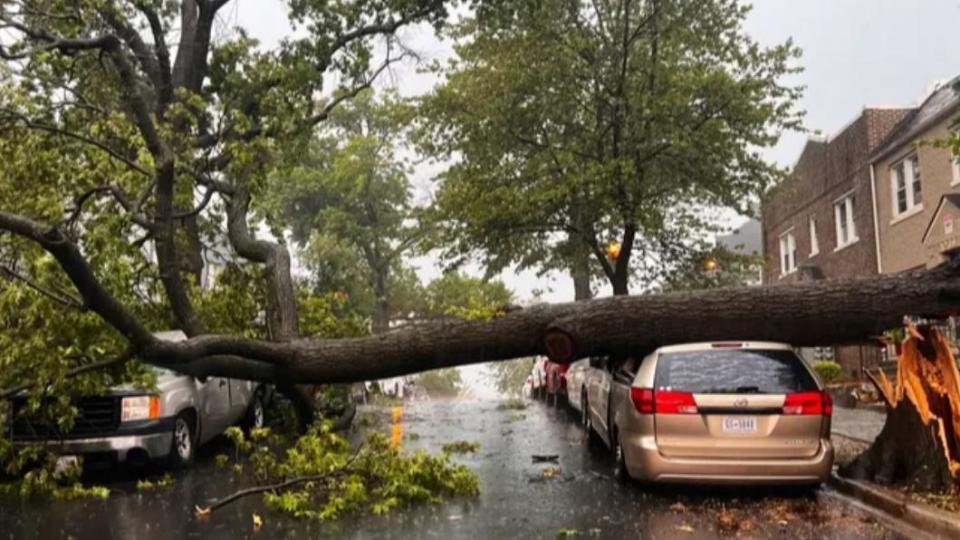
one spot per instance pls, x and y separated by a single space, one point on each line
139 441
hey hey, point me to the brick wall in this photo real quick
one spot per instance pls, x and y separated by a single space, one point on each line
826 171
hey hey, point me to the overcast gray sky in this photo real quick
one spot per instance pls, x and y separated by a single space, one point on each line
856 53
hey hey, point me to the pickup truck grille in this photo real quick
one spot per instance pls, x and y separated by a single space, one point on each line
95 416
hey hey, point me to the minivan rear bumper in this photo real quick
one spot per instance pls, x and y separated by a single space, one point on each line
644 462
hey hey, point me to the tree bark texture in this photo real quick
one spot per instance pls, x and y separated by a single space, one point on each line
806 314
919 445
803 314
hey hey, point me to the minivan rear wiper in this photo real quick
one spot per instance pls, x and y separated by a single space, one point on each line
737 390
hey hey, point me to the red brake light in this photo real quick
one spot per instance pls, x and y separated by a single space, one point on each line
648 401
726 345
642 399
813 402
673 402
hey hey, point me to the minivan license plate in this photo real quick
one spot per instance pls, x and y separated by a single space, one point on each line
740 424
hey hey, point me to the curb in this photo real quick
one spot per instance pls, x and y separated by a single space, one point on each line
926 518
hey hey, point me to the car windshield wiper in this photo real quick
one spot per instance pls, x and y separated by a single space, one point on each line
748 389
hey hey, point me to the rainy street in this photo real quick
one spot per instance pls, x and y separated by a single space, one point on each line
576 496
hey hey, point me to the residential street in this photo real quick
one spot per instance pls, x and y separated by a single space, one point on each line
518 498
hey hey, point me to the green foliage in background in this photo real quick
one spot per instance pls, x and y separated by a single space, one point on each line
439 383
348 204
712 268
828 370
458 295
510 376
589 122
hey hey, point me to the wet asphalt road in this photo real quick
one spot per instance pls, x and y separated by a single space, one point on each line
516 500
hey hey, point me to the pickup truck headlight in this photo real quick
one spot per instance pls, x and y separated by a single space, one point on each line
139 408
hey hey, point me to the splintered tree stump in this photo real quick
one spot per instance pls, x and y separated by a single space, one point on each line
906 452
919 445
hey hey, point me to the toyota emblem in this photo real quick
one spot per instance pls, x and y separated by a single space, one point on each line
741 402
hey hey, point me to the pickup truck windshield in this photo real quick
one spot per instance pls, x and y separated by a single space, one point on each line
741 371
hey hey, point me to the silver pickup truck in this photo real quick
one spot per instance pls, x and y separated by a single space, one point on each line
129 425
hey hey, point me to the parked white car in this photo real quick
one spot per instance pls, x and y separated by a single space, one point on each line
577 377
130 425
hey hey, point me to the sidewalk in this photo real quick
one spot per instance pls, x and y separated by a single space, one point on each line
859 423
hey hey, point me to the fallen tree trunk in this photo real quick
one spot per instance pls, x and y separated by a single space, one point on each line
804 314
919 445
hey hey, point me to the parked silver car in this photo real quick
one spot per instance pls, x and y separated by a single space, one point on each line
130 425
577 377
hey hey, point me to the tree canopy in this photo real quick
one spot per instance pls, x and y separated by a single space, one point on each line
573 125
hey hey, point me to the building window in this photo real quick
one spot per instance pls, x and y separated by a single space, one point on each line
814 242
845 224
788 253
907 190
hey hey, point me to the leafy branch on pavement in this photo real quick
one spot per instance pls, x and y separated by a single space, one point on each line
319 477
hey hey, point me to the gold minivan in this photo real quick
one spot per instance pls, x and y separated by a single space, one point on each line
730 412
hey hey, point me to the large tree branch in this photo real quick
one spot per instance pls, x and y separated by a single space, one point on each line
145 57
803 314
807 314
282 316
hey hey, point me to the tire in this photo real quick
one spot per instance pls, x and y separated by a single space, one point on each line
183 447
619 462
255 415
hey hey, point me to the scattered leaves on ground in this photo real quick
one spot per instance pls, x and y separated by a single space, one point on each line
145 484
513 404
461 447
550 472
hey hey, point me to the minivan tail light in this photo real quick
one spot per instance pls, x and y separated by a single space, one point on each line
813 402
673 402
642 399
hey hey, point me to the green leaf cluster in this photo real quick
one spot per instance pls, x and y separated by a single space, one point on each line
376 478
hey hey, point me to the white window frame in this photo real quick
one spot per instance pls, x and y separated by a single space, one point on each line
814 241
906 165
845 202
788 247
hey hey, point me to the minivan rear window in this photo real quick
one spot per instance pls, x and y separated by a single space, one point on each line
733 371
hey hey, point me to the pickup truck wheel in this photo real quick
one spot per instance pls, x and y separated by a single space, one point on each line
183 447
255 412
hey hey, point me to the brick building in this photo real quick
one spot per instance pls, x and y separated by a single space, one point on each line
821 216
917 186
818 223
